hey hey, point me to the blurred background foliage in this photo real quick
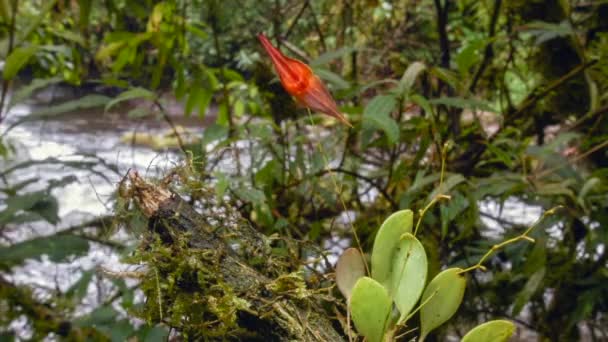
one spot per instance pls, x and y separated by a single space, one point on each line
516 91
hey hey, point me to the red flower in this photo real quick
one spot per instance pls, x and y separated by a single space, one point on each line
300 82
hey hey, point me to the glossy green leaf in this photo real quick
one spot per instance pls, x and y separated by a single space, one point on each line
441 299
17 60
492 331
370 307
408 275
387 242
349 269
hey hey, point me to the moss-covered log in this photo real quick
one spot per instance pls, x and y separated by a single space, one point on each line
219 281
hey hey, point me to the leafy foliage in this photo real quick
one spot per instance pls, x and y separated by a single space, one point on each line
495 104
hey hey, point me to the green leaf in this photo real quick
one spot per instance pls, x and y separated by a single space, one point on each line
545 31
448 76
153 334
349 269
492 331
133 93
470 54
70 36
532 285
36 20
268 173
84 13
17 60
5 10
591 184
386 244
331 55
370 307
452 209
423 102
104 315
79 289
441 299
408 275
25 92
377 114
85 102
196 31
213 133
448 184
336 80
39 203
250 195
57 247
409 77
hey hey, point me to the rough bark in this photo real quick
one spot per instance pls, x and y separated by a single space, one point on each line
279 308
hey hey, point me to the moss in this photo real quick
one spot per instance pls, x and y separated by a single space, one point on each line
211 276
184 289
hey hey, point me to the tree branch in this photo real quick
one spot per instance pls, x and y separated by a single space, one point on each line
278 309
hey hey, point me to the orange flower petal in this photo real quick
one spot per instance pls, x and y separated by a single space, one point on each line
300 82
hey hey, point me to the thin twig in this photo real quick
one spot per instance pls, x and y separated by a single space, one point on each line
573 160
295 21
523 236
489 51
317 26
168 119
540 93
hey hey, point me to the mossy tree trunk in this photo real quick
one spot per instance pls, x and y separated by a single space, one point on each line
219 280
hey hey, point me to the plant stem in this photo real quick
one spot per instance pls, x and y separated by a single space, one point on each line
523 236
339 193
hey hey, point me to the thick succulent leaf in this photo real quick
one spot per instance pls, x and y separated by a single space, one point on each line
387 242
370 307
349 269
441 299
408 276
492 331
